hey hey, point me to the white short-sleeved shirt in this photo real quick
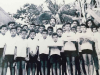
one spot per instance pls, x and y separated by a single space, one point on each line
8 33
86 45
10 45
2 40
55 49
43 46
97 42
38 36
21 45
67 38
32 44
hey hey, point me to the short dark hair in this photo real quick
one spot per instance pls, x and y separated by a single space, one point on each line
13 28
53 18
93 24
3 26
63 25
11 23
45 31
67 23
24 26
24 30
32 31
54 34
32 24
37 25
59 29
50 28
83 25
76 21
42 26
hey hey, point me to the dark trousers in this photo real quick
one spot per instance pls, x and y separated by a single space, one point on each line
31 67
9 59
20 66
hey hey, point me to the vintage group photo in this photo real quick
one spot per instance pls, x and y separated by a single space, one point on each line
49 37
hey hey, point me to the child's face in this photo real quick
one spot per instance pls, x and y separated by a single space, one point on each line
64 29
94 30
11 25
67 27
59 32
25 27
44 22
52 22
37 28
55 38
44 34
79 29
18 30
41 29
89 23
32 27
23 34
83 28
13 32
4 30
74 23
73 30
50 31
32 34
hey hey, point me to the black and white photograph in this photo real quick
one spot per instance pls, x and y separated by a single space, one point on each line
49 37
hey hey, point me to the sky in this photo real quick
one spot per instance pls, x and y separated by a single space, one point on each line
12 5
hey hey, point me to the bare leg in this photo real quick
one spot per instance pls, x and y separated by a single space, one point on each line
12 68
1 61
68 65
18 68
33 68
5 68
58 69
42 67
46 68
73 66
54 68
85 63
23 68
90 64
28 68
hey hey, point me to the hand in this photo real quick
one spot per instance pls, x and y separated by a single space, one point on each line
81 39
14 64
38 59
14 57
27 59
86 39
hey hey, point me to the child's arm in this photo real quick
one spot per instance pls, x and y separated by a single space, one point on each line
37 48
15 52
28 51
38 53
4 51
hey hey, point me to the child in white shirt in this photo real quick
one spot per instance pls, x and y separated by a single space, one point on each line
44 52
33 48
55 47
10 52
21 52
3 37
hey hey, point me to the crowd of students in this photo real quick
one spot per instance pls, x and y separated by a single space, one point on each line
68 49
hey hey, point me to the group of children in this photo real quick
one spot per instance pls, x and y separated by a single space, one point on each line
69 49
